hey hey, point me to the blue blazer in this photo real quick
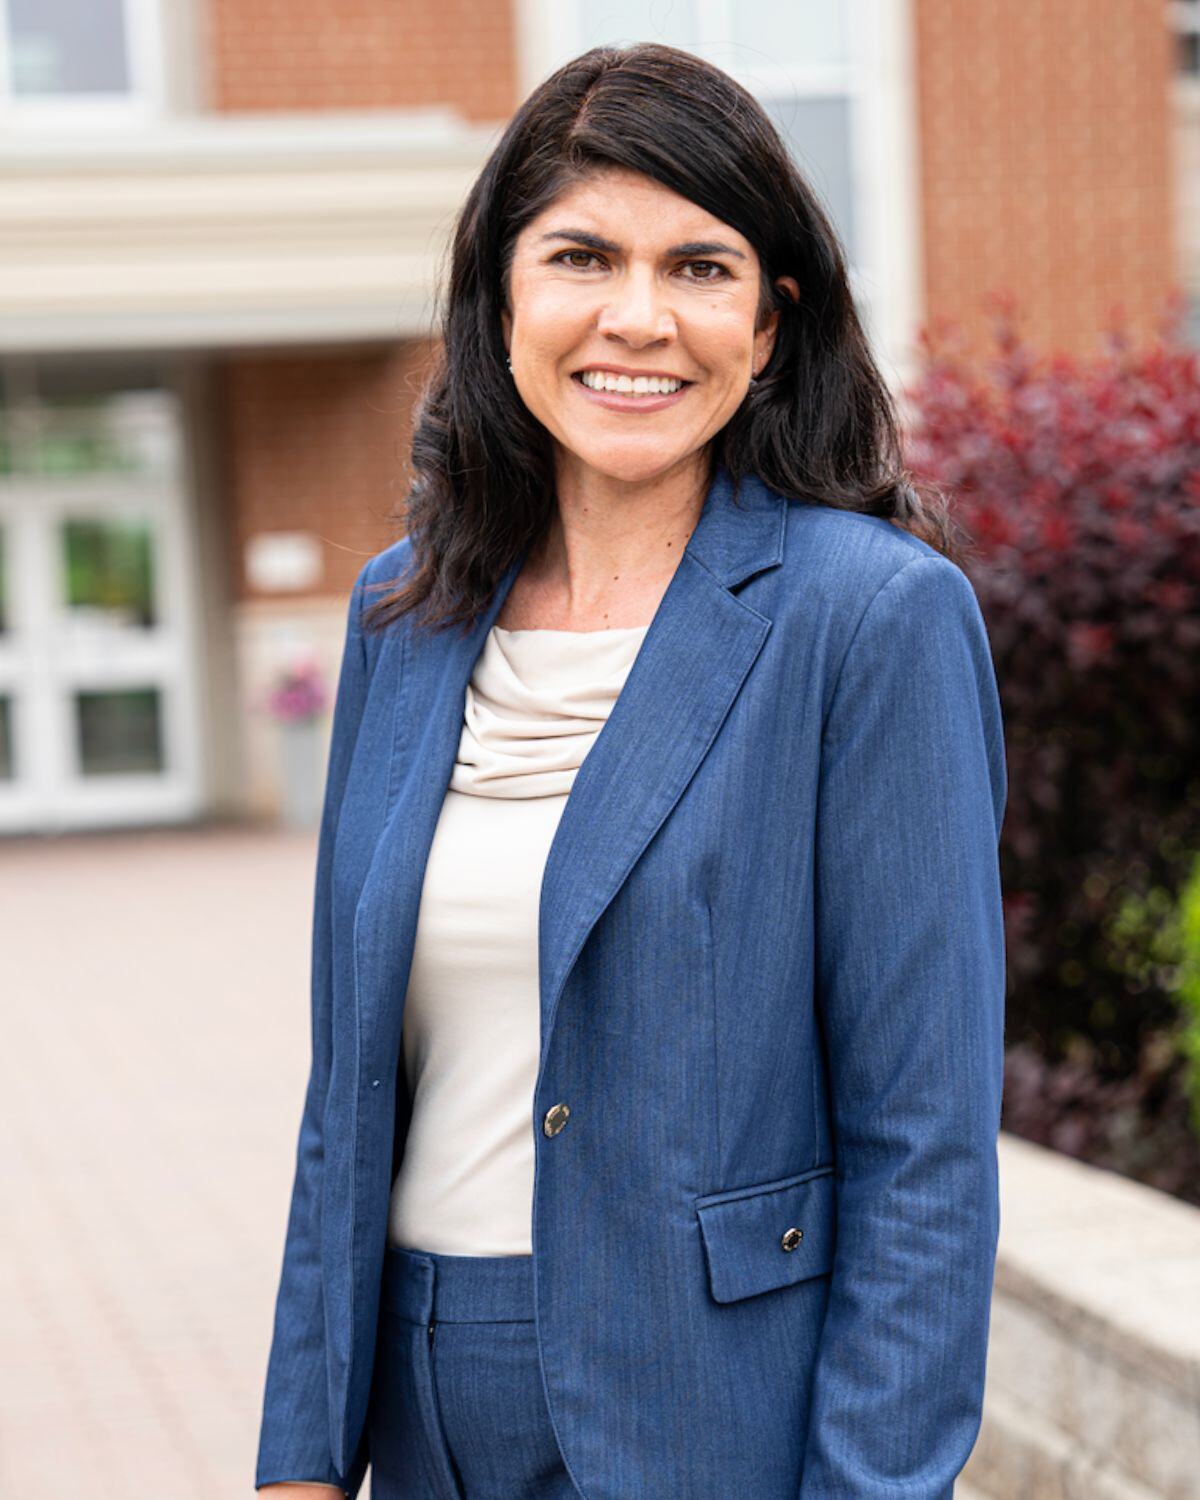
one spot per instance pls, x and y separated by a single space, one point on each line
772 981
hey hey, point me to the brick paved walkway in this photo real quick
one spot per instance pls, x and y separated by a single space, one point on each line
156 1049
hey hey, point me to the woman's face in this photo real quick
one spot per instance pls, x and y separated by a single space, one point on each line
621 281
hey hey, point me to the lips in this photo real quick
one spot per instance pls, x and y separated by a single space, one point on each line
632 402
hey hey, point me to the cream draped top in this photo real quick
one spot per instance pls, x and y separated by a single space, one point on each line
534 705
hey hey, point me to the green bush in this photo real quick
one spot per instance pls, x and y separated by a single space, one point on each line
1186 934
1155 943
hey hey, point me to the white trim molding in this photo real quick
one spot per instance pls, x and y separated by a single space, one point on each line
231 231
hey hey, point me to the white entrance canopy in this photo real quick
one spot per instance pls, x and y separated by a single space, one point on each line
231 230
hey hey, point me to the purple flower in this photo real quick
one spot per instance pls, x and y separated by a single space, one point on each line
298 694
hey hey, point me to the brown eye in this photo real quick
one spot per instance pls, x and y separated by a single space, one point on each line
563 257
713 266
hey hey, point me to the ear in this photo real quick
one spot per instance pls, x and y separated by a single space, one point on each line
764 339
506 330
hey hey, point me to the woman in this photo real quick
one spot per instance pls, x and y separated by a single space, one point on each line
650 1141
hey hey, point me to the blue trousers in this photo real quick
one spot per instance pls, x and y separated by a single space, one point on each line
457 1410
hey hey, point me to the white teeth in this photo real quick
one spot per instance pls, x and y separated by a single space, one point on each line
630 385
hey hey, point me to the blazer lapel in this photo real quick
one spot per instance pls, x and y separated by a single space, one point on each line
693 660
433 673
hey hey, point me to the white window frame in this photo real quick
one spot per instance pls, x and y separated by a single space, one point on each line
879 82
144 100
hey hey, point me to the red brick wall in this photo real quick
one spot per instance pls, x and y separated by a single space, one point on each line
319 442
1044 134
361 54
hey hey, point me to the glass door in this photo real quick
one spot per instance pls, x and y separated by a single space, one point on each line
98 719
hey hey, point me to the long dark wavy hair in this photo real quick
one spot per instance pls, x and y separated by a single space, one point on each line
818 427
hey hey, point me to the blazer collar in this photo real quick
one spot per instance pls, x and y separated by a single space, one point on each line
697 652
740 529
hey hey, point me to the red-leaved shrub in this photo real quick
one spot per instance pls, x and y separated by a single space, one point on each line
1079 482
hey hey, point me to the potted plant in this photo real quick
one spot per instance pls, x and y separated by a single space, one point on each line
297 701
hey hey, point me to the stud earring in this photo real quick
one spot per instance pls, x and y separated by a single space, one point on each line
508 362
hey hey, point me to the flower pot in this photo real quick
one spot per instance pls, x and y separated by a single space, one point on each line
301 773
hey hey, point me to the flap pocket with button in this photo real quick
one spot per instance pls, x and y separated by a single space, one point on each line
769 1235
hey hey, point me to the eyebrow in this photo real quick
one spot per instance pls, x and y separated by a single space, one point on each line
596 242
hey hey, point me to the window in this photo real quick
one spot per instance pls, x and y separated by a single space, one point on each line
67 47
795 59
1184 16
65 60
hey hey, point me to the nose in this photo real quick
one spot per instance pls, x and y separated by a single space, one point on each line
637 312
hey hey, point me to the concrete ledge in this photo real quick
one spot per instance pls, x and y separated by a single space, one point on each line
1093 1385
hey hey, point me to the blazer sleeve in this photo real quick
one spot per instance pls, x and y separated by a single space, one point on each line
910 972
294 1441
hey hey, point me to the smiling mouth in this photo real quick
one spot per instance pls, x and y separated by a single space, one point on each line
631 387
630 396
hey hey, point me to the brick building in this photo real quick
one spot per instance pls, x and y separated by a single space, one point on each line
220 230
